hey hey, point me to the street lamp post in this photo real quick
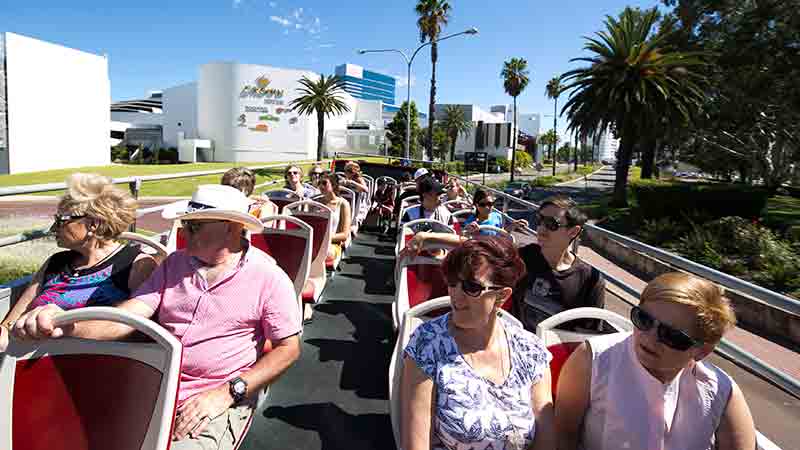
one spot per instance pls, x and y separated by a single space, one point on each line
409 61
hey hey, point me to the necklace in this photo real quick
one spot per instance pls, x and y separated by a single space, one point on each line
76 271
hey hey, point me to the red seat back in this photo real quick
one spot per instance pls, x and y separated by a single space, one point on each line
457 227
287 250
180 238
82 402
560 352
425 282
320 227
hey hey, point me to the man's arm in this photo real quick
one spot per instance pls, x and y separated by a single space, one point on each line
272 364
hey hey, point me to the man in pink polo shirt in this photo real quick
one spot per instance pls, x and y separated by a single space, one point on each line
222 299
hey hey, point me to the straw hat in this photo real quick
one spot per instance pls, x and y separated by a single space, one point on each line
214 202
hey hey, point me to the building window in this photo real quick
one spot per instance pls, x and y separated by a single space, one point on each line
497 130
479 136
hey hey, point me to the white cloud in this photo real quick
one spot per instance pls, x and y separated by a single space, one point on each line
297 13
326 45
236 3
402 81
280 20
271 4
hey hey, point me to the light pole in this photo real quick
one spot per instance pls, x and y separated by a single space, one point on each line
409 61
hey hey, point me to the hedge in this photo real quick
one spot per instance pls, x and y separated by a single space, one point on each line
658 200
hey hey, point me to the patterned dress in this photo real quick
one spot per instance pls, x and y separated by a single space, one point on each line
473 413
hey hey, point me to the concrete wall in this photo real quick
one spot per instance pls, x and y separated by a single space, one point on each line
58 106
180 113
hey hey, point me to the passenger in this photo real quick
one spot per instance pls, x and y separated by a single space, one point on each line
455 191
419 175
383 203
484 215
244 180
222 299
294 182
353 177
95 270
651 388
557 278
431 207
471 380
314 175
342 215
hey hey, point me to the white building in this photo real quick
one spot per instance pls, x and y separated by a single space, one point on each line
242 111
54 106
491 131
607 147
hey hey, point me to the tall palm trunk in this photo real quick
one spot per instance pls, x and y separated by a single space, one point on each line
620 196
320 133
453 138
434 58
648 158
555 138
514 142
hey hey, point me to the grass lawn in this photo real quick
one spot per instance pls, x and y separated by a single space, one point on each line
783 212
176 187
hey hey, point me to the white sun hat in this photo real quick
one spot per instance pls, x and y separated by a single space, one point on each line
420 172
215 202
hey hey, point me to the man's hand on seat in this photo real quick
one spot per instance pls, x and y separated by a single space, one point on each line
38 324
196 413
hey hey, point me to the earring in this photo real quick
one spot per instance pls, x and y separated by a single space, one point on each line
89 233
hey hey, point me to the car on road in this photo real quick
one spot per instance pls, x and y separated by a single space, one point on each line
519 189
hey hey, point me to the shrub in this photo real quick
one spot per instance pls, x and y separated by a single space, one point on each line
169 155
505 165
119 153
545 181
660 231
524 159
658 199
455 167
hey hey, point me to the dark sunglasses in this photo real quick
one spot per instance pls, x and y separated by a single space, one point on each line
486 204
671 337
292 172
60 219
193 226
472 288
551 223
315 174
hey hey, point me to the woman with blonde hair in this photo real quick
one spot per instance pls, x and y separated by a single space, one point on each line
95 269
652 388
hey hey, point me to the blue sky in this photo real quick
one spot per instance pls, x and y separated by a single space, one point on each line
157 44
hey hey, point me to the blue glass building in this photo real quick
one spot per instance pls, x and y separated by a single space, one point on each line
366 84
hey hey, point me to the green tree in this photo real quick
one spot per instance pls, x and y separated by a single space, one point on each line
564 152
432 18
441 142
455 124
515 80
553 90
551 139
631 82
323 97
396 132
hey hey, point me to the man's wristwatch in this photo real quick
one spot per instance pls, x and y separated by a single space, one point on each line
238 389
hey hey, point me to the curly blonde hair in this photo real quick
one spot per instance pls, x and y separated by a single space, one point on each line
714 315
94 196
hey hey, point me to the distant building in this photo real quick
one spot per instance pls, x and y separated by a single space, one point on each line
37 79
607 147
491 131
144 115
366 84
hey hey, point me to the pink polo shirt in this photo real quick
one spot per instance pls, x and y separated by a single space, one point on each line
222 327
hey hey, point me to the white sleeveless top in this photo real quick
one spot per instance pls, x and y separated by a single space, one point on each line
335 216
631 409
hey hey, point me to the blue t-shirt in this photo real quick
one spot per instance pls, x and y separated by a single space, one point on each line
494 219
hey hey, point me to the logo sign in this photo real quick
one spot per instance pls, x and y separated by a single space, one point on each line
476 161
261 89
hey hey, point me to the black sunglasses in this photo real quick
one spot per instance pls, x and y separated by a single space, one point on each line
193 226
549 222
315 174
671 337
486 204
472 288
60 219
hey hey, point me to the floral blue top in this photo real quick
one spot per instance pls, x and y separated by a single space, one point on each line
473 413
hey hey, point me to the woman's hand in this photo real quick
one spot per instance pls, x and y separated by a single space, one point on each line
472 228
414 246
38 324
516 225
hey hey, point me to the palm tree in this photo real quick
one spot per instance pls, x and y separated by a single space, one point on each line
433 16
455 124
553 90
515 80
632 81
322 97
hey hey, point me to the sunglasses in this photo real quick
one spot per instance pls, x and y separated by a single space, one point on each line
315 174
549 222
193 226
473 288
486 204
671 337
292 172
60 219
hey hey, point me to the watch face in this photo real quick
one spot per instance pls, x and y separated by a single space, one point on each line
240 387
